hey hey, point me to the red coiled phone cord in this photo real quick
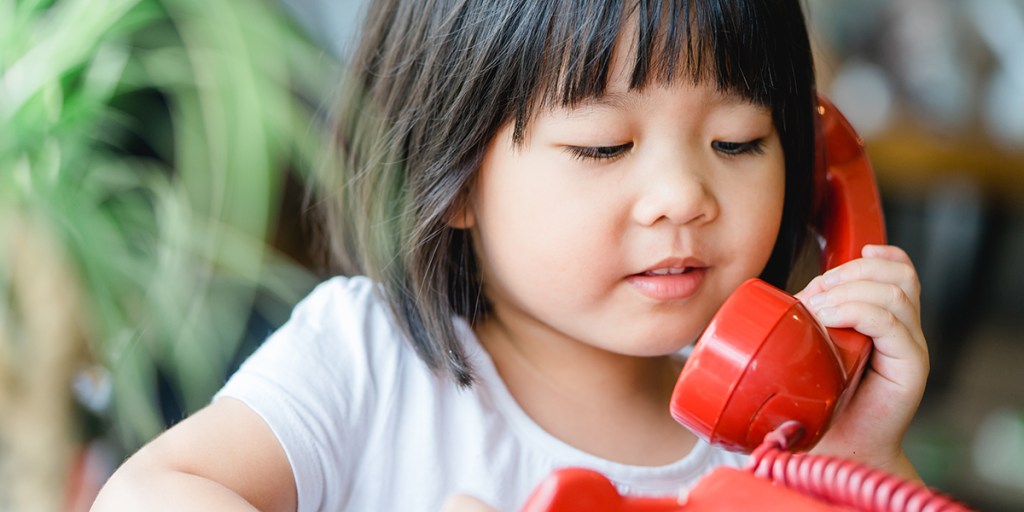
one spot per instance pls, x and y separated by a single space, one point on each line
839 481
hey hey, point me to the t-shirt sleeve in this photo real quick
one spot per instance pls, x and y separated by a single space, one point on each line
310 382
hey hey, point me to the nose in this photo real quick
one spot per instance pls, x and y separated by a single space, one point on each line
675 196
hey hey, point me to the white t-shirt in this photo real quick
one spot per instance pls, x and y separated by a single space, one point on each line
367 426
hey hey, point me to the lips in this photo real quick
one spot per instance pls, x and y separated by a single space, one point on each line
670 280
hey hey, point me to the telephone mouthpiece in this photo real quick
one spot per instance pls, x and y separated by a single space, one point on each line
763 361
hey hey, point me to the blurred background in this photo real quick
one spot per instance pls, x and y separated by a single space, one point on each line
154 158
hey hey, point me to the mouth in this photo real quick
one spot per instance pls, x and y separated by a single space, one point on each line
674 266
670 280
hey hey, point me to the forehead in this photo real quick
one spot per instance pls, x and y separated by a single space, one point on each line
641 43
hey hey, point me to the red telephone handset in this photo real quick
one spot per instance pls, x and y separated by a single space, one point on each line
766 377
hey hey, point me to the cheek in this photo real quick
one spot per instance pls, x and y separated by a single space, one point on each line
536 231
769 214
772 192
760 203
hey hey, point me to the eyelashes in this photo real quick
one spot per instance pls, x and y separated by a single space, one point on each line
753 147
609 153
603 153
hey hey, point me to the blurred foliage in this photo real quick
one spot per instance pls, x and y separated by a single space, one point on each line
151 138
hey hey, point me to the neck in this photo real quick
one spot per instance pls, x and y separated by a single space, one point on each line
610 405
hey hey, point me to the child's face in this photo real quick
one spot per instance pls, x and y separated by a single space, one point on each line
582 231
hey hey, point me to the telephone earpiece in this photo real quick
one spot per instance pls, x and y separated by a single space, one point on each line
764 360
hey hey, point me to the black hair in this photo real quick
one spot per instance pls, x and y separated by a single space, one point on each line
432 82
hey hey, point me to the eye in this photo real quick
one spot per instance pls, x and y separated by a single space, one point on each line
599 152
753 147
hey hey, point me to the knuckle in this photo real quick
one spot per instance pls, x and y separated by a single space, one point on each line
898 297
887 320
891 320
859 267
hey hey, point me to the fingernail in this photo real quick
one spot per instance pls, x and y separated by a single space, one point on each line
817 300
871 250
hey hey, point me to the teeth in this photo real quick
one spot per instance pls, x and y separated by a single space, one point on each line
667 271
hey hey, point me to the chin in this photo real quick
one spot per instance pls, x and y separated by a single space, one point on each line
666 348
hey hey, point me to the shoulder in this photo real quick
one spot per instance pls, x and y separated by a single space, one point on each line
340 348
342 317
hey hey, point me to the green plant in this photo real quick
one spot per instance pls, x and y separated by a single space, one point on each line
150 139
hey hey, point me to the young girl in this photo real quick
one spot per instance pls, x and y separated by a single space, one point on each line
549 200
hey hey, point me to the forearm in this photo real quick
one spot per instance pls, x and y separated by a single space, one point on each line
158 490
223 457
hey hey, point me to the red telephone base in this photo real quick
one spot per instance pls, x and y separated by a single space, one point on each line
723 490
728 489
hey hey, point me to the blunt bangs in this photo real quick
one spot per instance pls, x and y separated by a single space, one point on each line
742 47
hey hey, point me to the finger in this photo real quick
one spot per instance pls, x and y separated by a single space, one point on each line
465 503
887 296
887 252
815 287
891 253
880 270
892 338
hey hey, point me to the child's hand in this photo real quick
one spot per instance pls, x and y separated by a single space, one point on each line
879 296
